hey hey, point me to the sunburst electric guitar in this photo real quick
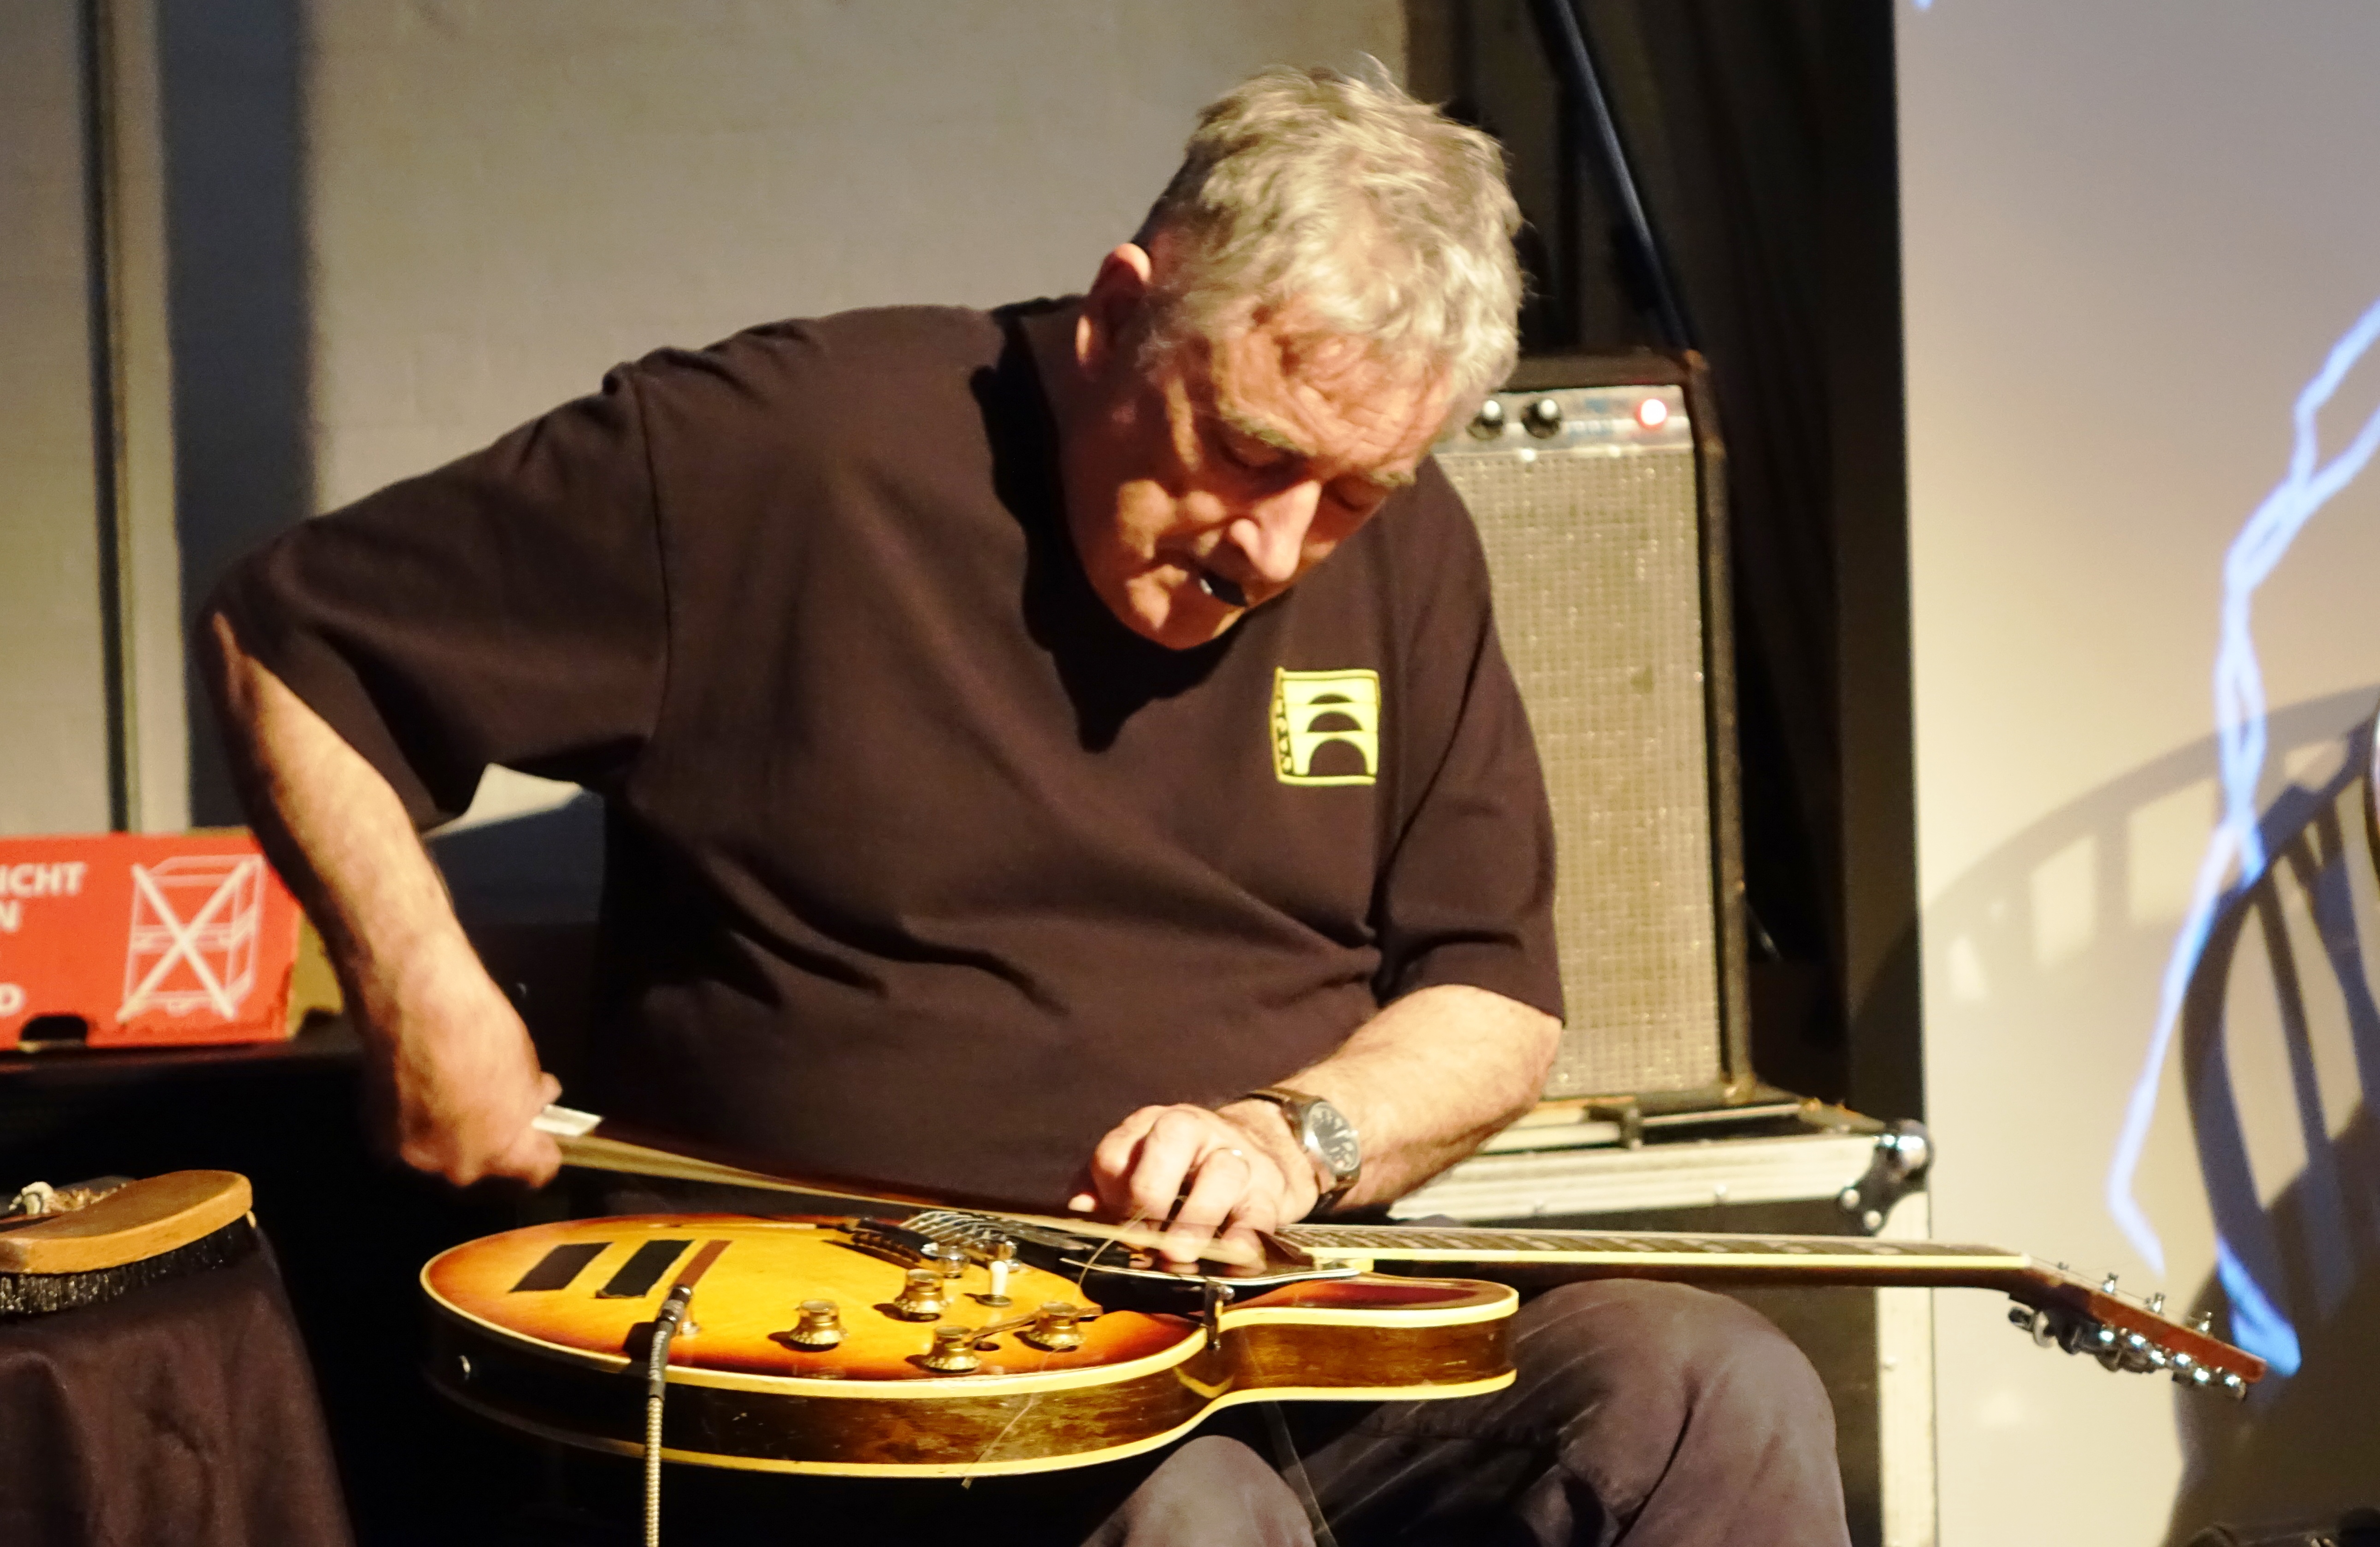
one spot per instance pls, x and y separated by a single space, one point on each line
935 1341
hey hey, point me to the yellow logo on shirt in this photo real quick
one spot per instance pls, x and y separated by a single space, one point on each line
1326 727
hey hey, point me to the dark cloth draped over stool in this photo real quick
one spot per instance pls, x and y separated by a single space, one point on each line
180 1415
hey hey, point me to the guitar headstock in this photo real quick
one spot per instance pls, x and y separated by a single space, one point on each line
2066 1310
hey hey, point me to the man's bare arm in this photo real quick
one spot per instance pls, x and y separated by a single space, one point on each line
1424 1082
453 1063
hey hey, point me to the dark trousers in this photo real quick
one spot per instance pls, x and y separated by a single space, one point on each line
1648 1414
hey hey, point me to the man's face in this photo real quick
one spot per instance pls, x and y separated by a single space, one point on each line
1212 479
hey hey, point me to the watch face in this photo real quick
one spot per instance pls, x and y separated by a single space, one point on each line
1336 1135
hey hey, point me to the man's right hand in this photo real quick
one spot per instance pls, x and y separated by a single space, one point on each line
457 1078
454 1079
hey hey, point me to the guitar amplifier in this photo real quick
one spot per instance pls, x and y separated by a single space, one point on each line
1596 485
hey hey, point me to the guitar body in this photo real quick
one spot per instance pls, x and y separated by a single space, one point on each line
546 1330
950 1342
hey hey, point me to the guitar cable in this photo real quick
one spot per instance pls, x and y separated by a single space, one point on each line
666 1322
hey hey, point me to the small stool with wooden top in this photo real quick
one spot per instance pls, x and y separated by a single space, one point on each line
153 1385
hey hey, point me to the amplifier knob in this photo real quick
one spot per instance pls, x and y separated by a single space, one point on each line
1489 421
921 1297
1544 418
821 1326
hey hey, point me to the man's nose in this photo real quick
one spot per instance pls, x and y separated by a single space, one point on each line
1272 532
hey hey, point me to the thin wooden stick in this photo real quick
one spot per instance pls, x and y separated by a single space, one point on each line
585 1143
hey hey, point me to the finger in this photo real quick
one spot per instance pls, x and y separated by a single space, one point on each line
1113 1161
1263 1209
461 1154
531 1154
1215 1193
1083 1192
1239 1242
1168 1156
533 1157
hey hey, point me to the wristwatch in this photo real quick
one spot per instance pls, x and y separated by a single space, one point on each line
1326 1136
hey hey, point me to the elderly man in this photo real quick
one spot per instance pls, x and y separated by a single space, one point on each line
1060 753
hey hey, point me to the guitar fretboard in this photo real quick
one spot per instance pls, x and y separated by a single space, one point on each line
1834 1256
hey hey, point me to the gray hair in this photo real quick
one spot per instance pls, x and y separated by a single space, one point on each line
1377 215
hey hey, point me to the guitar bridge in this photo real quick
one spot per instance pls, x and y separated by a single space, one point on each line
891 1241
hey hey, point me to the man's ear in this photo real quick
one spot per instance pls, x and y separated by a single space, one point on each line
1117 301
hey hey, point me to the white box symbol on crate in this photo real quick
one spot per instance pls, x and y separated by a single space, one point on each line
201 913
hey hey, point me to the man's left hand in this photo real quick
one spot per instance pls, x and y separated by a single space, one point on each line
1201 1174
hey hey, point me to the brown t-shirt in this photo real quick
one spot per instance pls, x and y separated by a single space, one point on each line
921 865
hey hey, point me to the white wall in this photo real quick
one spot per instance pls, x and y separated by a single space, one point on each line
507 197
2134 228
53 700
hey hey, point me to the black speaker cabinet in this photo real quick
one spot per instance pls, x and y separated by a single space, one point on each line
1596 483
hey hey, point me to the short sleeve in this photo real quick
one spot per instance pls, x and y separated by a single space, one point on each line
509 608
1467 892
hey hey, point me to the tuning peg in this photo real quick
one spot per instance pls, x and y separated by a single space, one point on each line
2156 1303
2236 1387
2203 1322
2107 1285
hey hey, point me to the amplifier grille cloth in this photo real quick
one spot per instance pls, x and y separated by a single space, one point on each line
1595 554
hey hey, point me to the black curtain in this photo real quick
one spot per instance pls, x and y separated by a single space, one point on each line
1761 136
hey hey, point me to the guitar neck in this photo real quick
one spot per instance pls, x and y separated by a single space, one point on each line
1711 1258
2066 1309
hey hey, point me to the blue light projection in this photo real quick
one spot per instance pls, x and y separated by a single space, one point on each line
2236 848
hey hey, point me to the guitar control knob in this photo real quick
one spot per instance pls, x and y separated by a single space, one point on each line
821 1326
954 1350
952 1259
1056 1328
921 1297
